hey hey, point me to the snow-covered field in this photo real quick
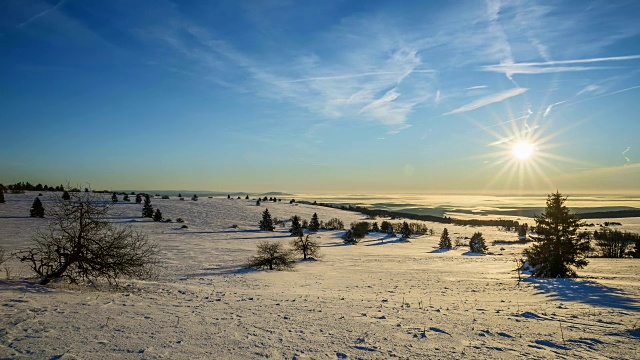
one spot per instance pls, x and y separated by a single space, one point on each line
378 299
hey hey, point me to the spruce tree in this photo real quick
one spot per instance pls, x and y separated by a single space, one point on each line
477 244
406 231
266 224
37 210
157 216
194 197
114 197
246 197
314 224
66 196
375 228
126 198
138 199
296 228
445 241
2 200
147 209
558 247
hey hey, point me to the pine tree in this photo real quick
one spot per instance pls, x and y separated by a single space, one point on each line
445 241
406 231
375 228
147 209
266 224
558 245
314 224
138 199
126 198
194 197
66 196
246 197
296 228
37 210
157 216
477 244
2 200
114 198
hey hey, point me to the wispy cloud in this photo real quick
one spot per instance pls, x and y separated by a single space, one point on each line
624 154
548 110
477 87
554 66
41 14
350 76
488 100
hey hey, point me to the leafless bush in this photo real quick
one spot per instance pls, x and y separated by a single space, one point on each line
79 244
305 246
271 255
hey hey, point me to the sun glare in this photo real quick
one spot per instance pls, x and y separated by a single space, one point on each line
523 150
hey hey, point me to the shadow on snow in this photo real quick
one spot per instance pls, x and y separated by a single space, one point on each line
585 291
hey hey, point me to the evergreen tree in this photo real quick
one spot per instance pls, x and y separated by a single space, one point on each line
66 196
348 238
37 210
138 199
314 224
194 197
2 200
477 244
406 231
445 241
258 202
126 198
375 228
157 216
266 224
558 246
147 209
296 228
229 197
179 195
114 198
246 197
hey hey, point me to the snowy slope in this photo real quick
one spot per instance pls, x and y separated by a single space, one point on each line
378 299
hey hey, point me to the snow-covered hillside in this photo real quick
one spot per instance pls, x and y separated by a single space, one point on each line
378 299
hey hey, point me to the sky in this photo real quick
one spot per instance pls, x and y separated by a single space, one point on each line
520 97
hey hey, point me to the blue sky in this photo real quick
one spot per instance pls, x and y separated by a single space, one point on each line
331 96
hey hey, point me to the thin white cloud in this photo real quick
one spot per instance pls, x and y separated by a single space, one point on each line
548 110
624 154
588 88
41 14
552 66
390 96
488 100
437 96
477 87
349 76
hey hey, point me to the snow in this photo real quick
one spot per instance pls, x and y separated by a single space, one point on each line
378 299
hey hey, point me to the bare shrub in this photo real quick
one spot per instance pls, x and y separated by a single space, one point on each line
271 255
305 246
334 224
80 244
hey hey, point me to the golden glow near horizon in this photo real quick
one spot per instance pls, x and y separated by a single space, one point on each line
523 150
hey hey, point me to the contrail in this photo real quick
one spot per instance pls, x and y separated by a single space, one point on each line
40 14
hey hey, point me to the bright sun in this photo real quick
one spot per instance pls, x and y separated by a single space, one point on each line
523 150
